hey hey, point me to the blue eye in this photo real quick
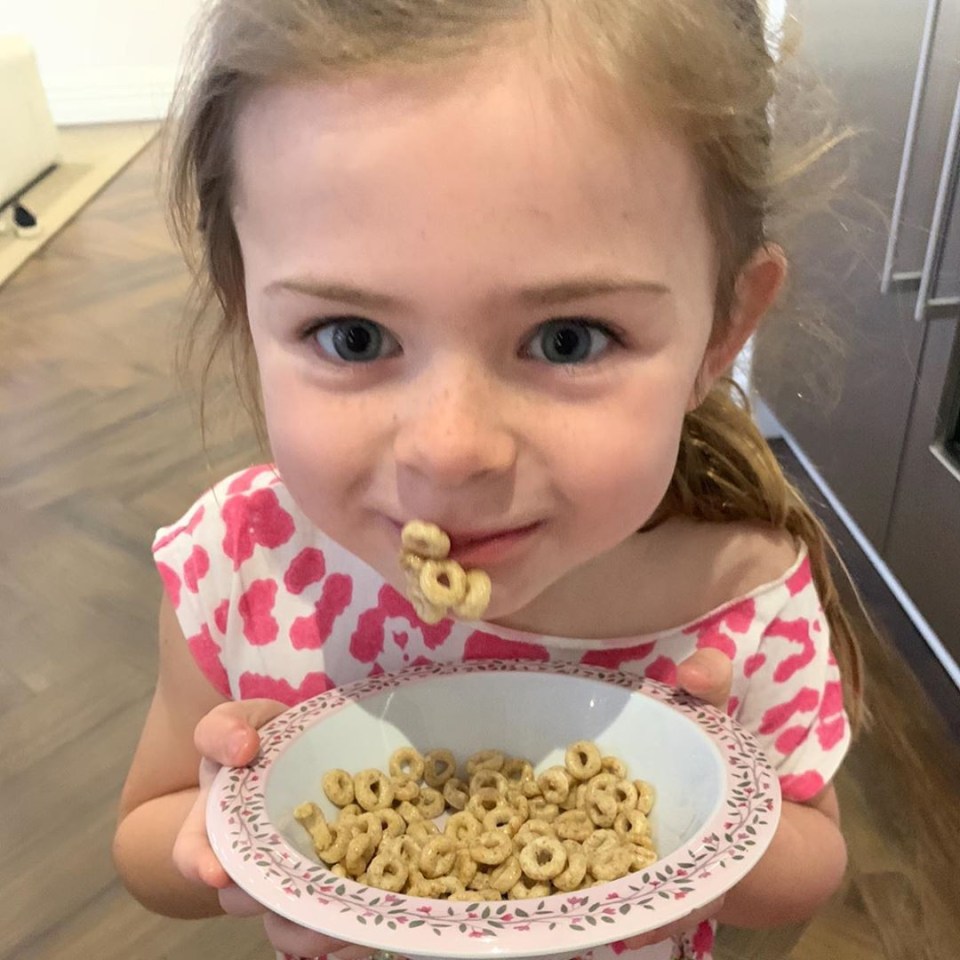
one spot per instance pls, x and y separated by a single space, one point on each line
570 341
355 340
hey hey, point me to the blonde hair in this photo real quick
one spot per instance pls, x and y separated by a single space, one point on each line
702 67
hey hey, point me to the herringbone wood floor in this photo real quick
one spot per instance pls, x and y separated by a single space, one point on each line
97 449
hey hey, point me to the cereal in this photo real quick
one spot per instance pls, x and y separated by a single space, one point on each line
373 789
405 788
507 833
485 760
583 759
543 858
491 847
429 803
338 786
425 540
436 584
632 825
485 778
554 785
456 794
438 767
406 762
443 583
463 827
644 796
574 825
438 856
477 596
387 872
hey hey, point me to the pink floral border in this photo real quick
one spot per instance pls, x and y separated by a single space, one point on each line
733 841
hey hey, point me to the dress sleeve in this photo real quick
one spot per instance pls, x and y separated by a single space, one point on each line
793 700
196 575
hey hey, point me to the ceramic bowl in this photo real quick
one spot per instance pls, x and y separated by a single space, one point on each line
717 802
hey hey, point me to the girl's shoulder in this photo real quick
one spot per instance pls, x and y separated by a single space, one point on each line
707 566
741 556
248 520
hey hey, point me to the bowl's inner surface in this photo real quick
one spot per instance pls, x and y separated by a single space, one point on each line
531 715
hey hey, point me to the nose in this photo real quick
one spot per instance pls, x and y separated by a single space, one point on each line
453 429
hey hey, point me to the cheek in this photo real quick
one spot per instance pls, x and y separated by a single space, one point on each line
321 445
624 463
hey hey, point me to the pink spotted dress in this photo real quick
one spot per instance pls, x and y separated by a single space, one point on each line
271 607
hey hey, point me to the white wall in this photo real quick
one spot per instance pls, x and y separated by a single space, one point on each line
103 60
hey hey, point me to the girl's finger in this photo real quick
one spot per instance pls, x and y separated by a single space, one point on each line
228 733
289 937
708 675
192 854
239 904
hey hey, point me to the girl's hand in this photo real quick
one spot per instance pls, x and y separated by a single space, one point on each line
688 924
227 736
708 675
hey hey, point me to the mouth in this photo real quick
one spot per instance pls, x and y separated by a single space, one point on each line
480 548
477 548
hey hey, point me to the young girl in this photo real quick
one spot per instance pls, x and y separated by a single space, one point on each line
492 261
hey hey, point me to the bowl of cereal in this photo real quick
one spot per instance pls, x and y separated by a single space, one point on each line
495 808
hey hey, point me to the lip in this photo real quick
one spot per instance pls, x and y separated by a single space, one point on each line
475 548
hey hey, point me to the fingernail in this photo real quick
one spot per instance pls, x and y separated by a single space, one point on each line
237 744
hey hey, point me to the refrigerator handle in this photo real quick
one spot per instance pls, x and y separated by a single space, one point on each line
890 278
927 305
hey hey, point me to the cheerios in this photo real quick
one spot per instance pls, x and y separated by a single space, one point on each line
485 760
543 858
373 789
425 540
507 874
438 767
429 803
491 847
443 582
507 833
463 827
456 794
406 762
387 872
338 786
477 596
435 583
632 825
438 856
554 785
583 759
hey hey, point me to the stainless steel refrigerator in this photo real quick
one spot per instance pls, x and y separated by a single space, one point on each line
889 448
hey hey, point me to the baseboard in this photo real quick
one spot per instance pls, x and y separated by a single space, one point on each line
109 96
903 598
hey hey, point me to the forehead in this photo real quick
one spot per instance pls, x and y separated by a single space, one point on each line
500 157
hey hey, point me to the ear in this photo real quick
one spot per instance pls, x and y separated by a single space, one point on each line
758 285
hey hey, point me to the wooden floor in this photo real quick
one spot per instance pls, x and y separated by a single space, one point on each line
97 449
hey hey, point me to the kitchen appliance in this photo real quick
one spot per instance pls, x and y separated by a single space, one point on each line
888 449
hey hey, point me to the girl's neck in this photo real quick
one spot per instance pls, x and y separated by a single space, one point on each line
659 580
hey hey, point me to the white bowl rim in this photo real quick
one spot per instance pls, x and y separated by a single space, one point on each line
265 865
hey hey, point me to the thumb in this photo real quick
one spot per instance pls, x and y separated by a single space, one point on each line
228 733
708 675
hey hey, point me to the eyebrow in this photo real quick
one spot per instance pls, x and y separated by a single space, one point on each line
537 295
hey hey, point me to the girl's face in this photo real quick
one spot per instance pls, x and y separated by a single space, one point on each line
472 302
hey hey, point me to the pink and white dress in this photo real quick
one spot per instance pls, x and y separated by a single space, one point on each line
271 607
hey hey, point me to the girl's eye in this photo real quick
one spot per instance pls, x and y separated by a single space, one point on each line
570 341
354 340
